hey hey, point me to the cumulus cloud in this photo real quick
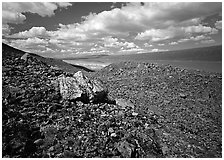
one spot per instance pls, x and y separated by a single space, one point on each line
200 29
29 41
147 45
183 40
5 29
173 43
158 50
137 18
95 52
70 32
218 24
113 42
163 23
33 32
208 41
201 37
13 12
12 17
138 50
41 8
158 21
30 45
196 38
156 35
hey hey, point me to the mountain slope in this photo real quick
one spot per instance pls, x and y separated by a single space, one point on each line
213 53
8 51
38 122
186 104
155 112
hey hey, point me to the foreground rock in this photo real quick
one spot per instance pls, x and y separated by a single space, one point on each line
80 87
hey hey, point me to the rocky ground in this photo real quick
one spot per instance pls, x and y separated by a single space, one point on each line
155 111
186 104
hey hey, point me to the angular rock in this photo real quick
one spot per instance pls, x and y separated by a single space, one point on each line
80 87
113 135
25 57
123 103
134 114
126 149
182 95
55 67
111 130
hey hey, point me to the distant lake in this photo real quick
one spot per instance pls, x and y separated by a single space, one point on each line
99 63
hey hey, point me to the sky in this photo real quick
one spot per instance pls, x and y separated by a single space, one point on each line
63 29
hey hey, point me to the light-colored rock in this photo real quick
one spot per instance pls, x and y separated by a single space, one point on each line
123 103
182 95
25 57
111 130
134 114
113 135
80 86
39 142
55 67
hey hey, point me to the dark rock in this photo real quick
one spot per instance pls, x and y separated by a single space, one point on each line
29 148
36 134
69 154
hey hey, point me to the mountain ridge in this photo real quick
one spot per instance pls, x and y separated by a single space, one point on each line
211 53
10 51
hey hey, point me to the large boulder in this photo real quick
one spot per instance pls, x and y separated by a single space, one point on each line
80 87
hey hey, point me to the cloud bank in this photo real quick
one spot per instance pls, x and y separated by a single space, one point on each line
132 28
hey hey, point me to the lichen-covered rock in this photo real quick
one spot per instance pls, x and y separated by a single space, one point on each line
81 87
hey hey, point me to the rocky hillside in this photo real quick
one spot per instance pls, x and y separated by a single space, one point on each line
146 110
8 51
186 104
39 121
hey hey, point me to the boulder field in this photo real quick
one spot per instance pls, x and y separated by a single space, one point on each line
125 110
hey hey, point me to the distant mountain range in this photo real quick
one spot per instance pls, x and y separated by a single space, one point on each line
213 53
204 55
